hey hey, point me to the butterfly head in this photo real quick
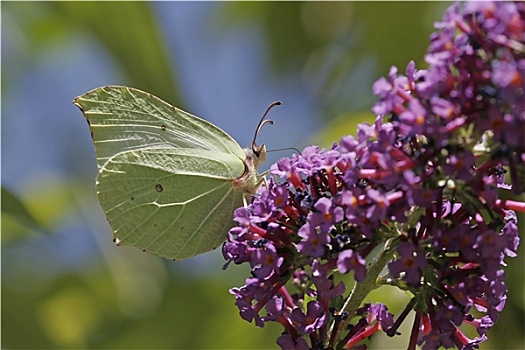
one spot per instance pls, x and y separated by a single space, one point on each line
257 154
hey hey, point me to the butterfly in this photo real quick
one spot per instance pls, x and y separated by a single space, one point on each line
168 181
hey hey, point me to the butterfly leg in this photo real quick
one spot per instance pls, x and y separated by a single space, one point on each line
246 198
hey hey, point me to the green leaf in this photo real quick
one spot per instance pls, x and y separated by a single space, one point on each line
15 207
130 32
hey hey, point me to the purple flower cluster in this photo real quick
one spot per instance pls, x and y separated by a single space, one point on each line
475 83
416 192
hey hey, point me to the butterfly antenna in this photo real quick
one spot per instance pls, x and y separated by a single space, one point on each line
283 149
262 122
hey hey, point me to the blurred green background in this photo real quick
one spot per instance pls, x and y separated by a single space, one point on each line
64 283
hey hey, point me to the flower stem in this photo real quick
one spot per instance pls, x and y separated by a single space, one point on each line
362 289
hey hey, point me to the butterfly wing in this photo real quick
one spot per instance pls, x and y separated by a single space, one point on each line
165 177
175 203
123 119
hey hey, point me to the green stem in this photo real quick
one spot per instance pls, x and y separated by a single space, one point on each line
362 289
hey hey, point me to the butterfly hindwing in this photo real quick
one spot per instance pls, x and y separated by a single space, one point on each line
175 203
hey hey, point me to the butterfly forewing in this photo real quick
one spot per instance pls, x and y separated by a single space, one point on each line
123 119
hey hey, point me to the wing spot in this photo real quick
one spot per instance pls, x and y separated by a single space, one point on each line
163 127
158 188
